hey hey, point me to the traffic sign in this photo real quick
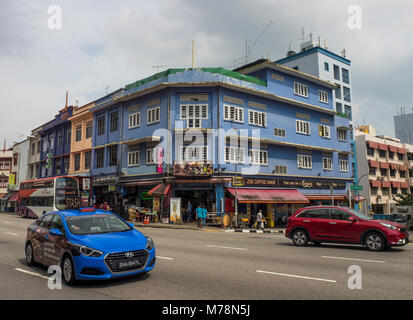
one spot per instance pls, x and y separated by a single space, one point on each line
359 188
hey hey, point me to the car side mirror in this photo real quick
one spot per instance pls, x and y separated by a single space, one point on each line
352 219
55 232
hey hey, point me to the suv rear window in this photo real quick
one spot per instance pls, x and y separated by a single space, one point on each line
315 214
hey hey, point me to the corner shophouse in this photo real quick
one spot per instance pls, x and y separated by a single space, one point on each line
302 147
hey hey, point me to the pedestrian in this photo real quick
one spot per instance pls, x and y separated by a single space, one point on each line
189 211
199 213
106 206
260 223
204 216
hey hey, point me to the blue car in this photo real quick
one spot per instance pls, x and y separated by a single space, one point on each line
89 244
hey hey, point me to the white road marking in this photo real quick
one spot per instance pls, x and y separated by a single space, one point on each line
211 246
295 276
353 259
166 258
31 273
12 234
6 222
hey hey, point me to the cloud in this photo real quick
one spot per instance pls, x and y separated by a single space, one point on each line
113 44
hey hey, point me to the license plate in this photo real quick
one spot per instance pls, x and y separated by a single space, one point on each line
129 264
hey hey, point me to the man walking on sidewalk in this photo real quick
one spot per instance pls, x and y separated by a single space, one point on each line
199 214
260 223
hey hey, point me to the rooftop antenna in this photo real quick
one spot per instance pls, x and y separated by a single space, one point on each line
106 88
248 49
67 99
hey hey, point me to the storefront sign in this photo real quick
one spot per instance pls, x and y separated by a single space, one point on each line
86 183
159 166
255 182
192 169
103 181
175 214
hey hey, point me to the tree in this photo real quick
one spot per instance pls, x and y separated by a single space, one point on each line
403 199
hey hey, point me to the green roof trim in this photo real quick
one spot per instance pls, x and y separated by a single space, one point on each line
221 71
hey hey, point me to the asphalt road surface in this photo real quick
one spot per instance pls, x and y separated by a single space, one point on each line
218 265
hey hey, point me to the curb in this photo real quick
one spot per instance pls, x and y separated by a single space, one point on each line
255 231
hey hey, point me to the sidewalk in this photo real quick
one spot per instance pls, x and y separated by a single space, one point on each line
193 226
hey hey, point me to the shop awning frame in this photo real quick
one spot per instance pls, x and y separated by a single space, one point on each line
161 189
249 195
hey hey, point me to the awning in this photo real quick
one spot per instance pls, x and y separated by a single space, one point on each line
402 167
269 195
326 197
373 145
395 184
385 184
384 165
401 150
374 164
382 147
404 184
2 195
392 148
14 197
375 183
161 189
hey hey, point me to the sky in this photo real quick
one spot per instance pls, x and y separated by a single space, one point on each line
104 45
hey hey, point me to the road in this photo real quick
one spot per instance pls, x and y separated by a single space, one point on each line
217 265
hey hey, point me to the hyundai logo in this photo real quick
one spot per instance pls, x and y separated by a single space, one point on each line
129 254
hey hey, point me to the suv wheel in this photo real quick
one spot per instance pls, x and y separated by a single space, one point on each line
300 238
68 270
374 242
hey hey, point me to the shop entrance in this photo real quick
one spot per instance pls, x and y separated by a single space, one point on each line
196 197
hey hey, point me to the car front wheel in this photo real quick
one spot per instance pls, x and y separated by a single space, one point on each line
300 238
29 254
68 270
375 242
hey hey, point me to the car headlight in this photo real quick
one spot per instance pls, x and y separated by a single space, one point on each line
389 226
149 244
89 252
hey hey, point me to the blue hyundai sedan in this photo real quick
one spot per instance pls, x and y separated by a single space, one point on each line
89 244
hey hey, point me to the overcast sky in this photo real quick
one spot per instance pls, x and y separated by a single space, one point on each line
109 44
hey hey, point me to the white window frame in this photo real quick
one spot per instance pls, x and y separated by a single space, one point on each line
327 164
324 131
258 157
300 90
133 158
342 133
187 154
279 132
150 159
344 165
231 152
134 120
281 169
304 161
233 113
257 118
303 127
323 96
193 114
153 115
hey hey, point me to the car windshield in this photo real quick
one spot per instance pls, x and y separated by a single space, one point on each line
96 224
398 217
359 214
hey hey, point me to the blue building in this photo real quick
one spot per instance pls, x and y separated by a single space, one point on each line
266 130
55 145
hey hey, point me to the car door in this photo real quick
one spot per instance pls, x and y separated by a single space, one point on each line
41 236
319 221
35 241
342 228
53 244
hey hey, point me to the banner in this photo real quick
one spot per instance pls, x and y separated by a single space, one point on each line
159 166
175 214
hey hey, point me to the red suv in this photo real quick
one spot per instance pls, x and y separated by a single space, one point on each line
343 225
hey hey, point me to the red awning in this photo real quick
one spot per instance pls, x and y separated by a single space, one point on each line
269 195
375 183
385 184
373 145
401 150
402 167
382 147
384 165
374 164
395 184
392 148
14 196
161 189
326 197
404 184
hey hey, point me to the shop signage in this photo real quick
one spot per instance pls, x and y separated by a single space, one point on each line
288 183
175 214
192 169
86 183
103 181
159 166
112 187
